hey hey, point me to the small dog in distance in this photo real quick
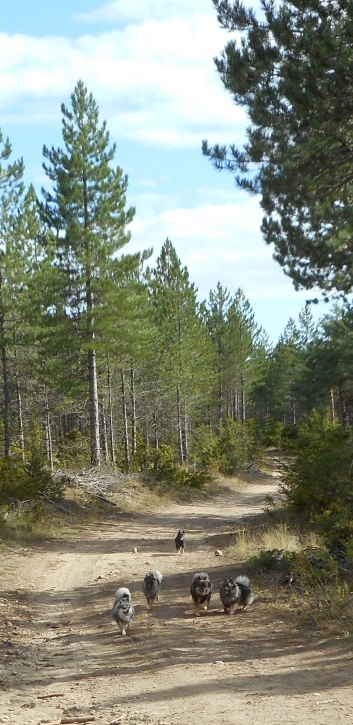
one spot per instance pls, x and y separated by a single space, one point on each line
180 542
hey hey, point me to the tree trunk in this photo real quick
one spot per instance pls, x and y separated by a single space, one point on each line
236 404
220 403
147 437
294 412
92 363
133 412
104 432
243 402
111 418
125 421
185 438
48 438
21 435
332 403
343 408
7 391
64 426
155 429
94 409
179 426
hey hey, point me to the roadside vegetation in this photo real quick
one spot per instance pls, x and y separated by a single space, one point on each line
295 573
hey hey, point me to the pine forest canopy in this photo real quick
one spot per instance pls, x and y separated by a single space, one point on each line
291 67
102 357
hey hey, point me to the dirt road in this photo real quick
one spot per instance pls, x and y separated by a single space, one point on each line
64 661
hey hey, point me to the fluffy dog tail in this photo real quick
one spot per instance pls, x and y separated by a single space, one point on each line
244 580
157 575
246 594
123 594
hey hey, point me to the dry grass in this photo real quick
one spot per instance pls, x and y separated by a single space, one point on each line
250 541
312 602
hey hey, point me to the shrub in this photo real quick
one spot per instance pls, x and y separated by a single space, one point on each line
184 476
163 459
22 480
318 483
229 448
40 480
12 479
289 435
271 559
74 450
189 476
237 446
205 449
314 565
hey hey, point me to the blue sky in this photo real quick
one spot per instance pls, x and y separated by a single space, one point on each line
149 65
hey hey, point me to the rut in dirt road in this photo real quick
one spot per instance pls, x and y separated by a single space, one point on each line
170 665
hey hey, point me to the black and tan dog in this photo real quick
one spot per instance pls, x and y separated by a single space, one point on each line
180 542
201 590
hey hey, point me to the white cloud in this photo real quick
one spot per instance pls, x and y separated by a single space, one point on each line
222 242
133 11
138 10
154 82
217 242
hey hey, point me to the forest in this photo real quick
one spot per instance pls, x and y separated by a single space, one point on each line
107 360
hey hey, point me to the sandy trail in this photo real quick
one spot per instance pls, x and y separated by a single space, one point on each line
63 658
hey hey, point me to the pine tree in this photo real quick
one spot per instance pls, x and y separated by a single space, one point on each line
287 363
215 316
18 229
86 214
244 337
234 335
261 392
291 69
327 378
182 350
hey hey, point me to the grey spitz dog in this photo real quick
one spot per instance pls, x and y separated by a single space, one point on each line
236 593
180 542
201 590
151 586
123 609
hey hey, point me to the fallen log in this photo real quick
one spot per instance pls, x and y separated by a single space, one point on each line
98 495
57 505
68 720
50 694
